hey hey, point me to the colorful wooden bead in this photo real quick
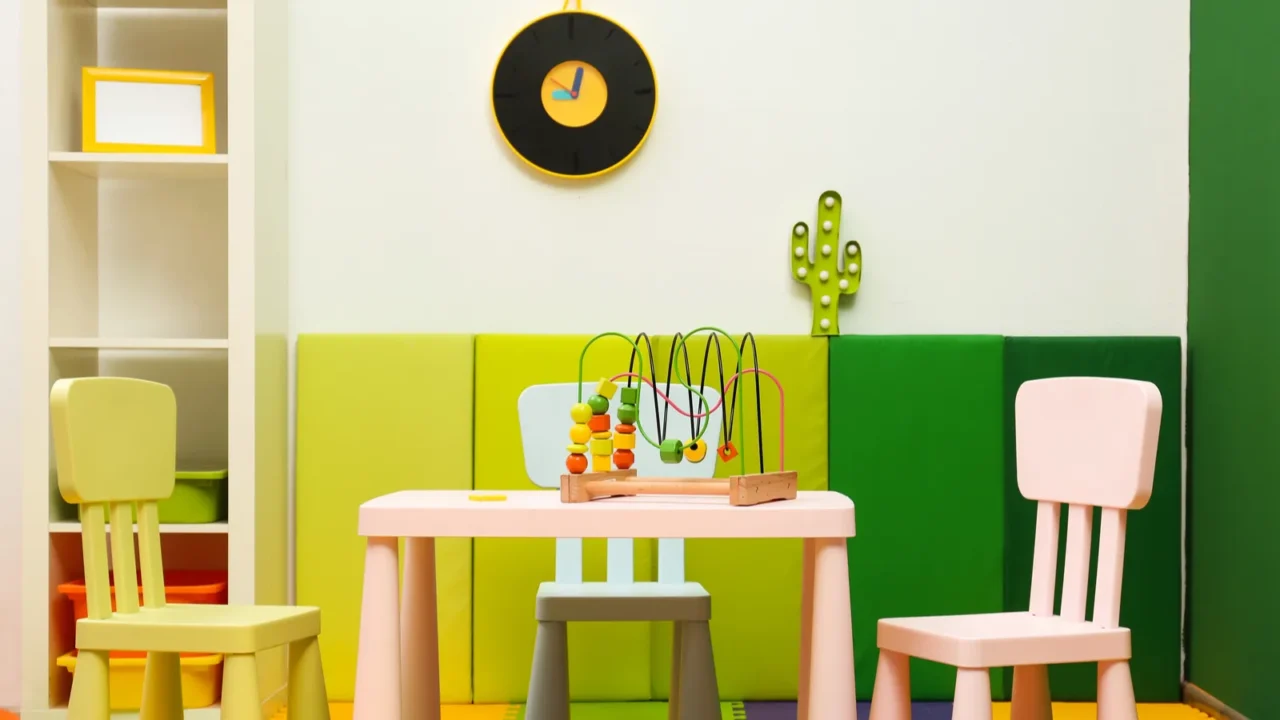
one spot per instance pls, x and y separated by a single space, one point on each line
623 459
695 451
627 413
727 452
624 428
576 463
598 423
631 395
599 404
580 412
602 435
578 448
601 446
601 463
624 441
671 451
606 388
580 433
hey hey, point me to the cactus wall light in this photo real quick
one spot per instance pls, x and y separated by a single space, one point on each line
834 269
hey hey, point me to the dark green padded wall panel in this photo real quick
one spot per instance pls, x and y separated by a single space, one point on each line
1151 600
1233 311
917 426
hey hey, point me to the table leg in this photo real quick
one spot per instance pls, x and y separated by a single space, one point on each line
806 631
419 639
377 692
831 688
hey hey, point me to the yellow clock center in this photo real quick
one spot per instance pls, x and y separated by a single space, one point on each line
574 93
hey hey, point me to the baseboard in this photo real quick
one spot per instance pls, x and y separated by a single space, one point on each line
1197 698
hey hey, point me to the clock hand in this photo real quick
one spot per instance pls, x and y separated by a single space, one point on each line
577 81
562 86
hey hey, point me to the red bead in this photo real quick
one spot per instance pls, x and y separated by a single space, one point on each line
625 428
599 423
577 464
623 459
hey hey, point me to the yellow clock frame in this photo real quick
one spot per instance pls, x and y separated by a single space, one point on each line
567 54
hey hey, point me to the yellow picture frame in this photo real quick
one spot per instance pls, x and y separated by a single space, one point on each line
91 76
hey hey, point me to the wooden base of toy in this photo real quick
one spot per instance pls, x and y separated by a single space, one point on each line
741 489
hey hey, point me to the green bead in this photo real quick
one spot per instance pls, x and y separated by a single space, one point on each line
631 395
627 413
599 404
671 451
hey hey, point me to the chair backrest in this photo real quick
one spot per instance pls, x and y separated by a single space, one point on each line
544 433
115 441
1086 442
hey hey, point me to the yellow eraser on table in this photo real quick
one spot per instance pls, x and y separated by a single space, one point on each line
487 498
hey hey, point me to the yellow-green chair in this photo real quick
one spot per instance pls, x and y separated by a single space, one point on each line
115 440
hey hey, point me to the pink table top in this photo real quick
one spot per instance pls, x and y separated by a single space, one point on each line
539 513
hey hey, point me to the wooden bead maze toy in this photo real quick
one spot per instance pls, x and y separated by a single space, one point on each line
612 452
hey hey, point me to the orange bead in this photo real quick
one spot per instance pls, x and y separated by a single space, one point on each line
623 459
577 464
625 428
599 423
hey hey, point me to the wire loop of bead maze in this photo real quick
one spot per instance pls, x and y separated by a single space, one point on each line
611 454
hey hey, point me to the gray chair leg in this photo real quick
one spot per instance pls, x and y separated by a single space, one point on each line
699 694
677 651
549 679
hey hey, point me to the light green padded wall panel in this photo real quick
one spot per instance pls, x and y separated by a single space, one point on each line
755 584
608 661
377 414
917 442
1151 604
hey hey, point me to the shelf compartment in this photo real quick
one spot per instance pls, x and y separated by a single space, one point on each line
90 343
143 166
161 4
218 528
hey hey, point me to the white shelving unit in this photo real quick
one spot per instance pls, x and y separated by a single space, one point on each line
167 267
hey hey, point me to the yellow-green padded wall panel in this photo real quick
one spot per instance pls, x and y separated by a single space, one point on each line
754 584
608 661
378 414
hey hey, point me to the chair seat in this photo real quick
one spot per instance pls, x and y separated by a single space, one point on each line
226 629
1002 640
637 602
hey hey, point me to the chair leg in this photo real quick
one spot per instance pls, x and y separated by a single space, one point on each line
161 687
1031 693
240 699
891 697
308 699
699 693
677 653
90 691
973 694
548 697
1115 692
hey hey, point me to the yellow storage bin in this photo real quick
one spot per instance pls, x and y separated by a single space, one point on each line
201 679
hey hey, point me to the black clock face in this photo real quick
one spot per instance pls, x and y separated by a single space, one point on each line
574 94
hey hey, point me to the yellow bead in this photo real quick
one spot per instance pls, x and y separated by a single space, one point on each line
606 388
601 463
602 447
576 449
694 452
602 435
580 433
624 441
581 412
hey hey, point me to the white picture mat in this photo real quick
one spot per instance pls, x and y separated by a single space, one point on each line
147 113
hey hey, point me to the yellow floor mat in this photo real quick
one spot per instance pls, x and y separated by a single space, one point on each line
1089 711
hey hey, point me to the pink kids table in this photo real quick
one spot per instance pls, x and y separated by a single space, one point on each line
398 635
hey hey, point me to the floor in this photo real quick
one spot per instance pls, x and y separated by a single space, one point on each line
772 711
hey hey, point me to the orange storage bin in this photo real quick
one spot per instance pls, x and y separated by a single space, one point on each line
181 587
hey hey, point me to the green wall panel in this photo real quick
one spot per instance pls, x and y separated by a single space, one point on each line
1234 350
378 414
917 428
1152 595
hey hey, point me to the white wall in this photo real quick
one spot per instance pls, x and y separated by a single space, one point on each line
1009 166
10 357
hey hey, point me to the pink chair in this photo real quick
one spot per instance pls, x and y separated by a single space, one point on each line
1081 441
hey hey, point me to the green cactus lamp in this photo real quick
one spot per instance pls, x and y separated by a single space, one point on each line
834 269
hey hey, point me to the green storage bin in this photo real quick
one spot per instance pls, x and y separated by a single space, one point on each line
199 496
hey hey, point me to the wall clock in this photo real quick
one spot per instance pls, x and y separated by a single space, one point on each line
574 94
